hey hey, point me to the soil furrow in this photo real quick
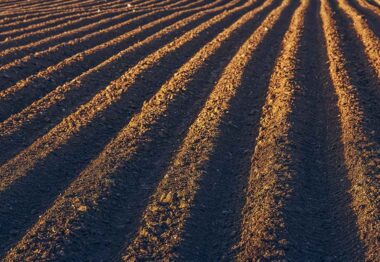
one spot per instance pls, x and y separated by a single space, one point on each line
168 92
39 5
6 35
80 31
375 3
368 14
126 7
314 221
36 35
163 220
62 6
358 66
22 6
211 230
276 164
360 137
189 130
369 40
30 64
49 110
7 3
130 6
29 89
20 17
102 100
38 14
57 5
113 27
213 225
38 11
17 52
367 9
320 217
25 21
360 69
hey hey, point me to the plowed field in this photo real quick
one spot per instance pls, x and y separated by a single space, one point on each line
190 130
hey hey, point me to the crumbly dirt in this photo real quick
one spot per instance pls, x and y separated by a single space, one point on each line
180 130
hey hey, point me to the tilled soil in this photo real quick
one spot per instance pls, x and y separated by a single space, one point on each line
178 130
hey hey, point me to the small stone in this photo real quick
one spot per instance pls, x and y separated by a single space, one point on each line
143 232
82 208
153 208
183 204
167 198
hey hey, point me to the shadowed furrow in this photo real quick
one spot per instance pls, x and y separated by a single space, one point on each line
370 41
200 60
25 91
16 52
49 108
189 130
164 218
299 215
132 94
40 60
359 134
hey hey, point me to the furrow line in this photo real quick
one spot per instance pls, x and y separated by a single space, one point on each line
86 112
361 72
88 3
42 14
51 4
60 102
138 101
360 137
275 164
24 5
211 230
316 222
375 3
39 4
74 11
25 91
163 220
326 229
13 53
28 38
176 4
5 4
74 45
6 35
44 23
367 6
32 19
32 12
43 44
79 41
370 15
91 7
61 5
24 18
370 41
167 3
55 30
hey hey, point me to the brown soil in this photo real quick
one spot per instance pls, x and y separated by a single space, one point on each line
179 130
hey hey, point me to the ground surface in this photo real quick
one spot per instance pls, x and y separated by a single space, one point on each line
190 130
